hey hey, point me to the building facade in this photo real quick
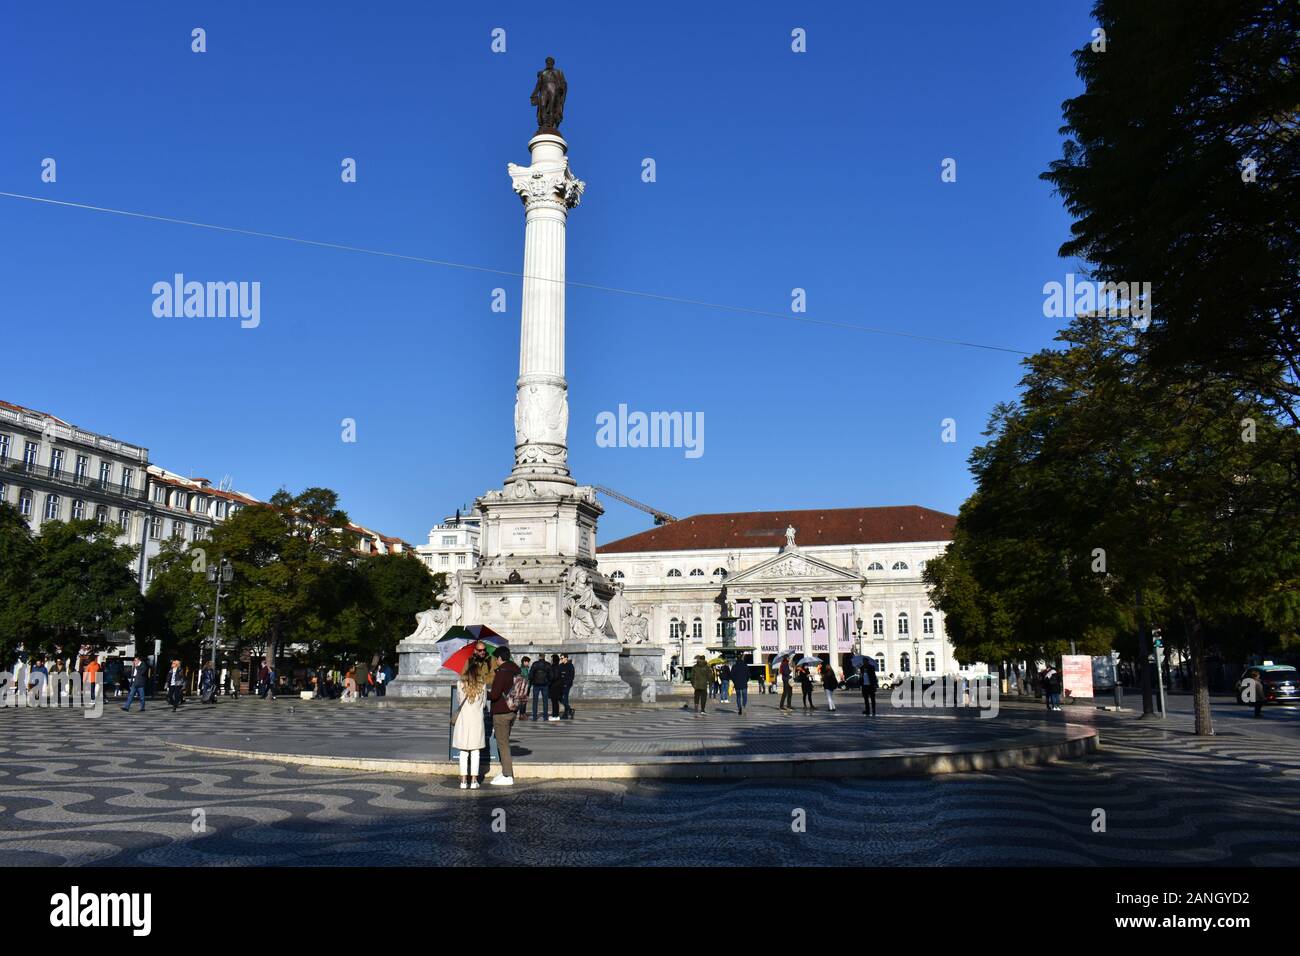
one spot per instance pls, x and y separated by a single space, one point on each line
453 545
829 583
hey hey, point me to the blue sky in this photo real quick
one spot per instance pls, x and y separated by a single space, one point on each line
775 170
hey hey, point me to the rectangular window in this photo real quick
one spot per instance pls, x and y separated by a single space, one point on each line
178 529
155 527
124 520
182 501
83 465
448 540
877 625
159 494
4 447
221 509
53 507
25 504
105 472
127 475
445 560
460 559
149 575
56 461
78 509
3 489
29 455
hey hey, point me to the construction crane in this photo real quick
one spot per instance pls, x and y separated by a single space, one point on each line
661 517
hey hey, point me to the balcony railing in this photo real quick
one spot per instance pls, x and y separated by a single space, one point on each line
11 467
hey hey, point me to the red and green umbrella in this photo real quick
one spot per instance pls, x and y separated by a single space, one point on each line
457 645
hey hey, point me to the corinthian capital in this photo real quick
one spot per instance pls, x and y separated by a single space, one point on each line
546 183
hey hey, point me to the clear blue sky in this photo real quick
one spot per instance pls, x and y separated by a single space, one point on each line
775 170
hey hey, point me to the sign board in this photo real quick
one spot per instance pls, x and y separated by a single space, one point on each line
1076 675
524 535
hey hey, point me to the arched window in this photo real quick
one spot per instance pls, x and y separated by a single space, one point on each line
927 623
616 576
675 630
875 566
101 514
25 503
674 573
902 622
880 663
78 509
697 572
900 566
878 623
929 662
719 572
53 505
697 629
905 663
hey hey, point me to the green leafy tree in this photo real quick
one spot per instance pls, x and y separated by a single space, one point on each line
17 558
1181 167
82 582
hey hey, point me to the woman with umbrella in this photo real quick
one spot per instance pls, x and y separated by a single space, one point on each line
468 733
805 684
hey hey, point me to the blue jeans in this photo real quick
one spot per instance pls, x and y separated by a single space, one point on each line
726 685
131 696
564 700
742 697
541 699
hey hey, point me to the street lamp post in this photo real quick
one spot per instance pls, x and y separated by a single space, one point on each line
859 624
220 574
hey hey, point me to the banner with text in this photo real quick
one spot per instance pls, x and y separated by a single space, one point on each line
847 629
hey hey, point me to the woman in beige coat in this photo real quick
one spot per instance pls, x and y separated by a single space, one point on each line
468 733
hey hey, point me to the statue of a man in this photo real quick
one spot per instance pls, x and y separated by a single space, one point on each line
548 96
789 536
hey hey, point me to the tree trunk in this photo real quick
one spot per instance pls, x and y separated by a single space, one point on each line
1144 659
1200 684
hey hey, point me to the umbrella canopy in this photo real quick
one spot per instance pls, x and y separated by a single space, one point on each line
856 660
810 660
457 645
716 661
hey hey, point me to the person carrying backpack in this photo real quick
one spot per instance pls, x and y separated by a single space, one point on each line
539 677
508 696
870 681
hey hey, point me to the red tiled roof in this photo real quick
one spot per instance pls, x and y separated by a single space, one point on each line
766 529
33 411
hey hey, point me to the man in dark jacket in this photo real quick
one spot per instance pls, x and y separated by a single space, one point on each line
870 681
139 674
567 675
701 679
740 679
539 678
503 716
787 691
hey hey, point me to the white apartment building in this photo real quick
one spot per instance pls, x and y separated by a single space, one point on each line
453 545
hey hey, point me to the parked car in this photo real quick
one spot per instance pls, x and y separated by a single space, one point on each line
1281 683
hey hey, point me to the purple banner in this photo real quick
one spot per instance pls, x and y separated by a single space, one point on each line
745 625
818 628
848 628
793 625
768 627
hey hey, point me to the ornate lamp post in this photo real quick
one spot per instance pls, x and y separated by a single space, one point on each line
859 624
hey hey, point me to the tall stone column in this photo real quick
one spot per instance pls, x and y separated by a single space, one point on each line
549 190
806 606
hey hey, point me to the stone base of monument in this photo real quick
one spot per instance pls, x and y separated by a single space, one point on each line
602 671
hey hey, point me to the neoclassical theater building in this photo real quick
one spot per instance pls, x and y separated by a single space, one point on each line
830 583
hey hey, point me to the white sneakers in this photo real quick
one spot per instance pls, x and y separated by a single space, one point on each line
552 718
464 785
473 785
501 780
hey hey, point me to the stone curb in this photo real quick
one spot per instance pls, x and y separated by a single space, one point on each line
926 761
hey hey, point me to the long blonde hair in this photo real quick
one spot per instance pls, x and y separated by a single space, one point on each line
474 678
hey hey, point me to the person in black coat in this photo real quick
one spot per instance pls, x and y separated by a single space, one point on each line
555 689
567 672
870 682
805 684
740 681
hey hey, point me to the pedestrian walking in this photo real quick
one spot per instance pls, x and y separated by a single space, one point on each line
139 674
350 686
539 678
468 733
508 698
701 681
787 691
724 677
804 677
207 684
568 673
175 685
740 680
870 681
91 671
830 684
1252 691
555 690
